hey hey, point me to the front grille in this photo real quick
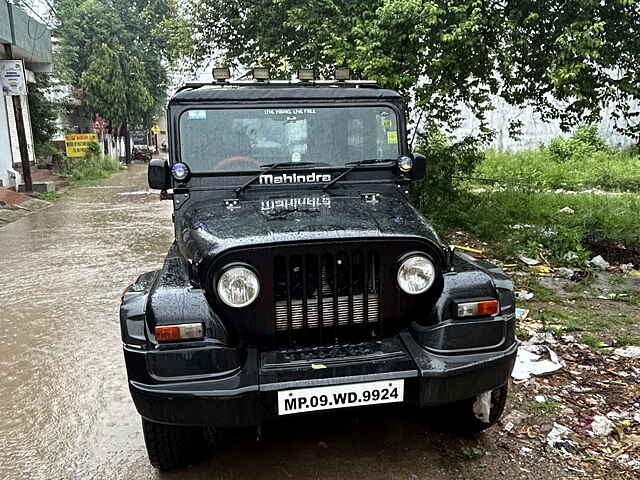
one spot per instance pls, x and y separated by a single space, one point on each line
327 297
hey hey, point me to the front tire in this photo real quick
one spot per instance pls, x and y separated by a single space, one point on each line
171 446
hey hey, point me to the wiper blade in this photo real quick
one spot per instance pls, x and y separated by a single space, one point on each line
273 166
355 165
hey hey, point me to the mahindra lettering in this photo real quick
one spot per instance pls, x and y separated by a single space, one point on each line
301 278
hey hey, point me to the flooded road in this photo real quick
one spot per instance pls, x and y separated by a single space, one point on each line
66 410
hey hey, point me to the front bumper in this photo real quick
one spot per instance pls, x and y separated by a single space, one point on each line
248 395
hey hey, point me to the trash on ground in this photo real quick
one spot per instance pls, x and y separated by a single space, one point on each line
626 267
467 249
601 426
522 313
598 262
541 269
630 351
528 261
567 210
540 398
529 363
558 438
524 295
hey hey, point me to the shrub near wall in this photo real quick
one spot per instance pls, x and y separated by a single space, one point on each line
93 166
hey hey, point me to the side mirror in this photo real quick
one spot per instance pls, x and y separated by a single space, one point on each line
159 174
419 166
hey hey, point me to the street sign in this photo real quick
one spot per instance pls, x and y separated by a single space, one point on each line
155 129
77 144
99 124
12 78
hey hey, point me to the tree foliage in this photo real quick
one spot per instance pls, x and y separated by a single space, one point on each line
566 58
43 112
115 56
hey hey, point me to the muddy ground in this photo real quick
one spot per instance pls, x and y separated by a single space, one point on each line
66 411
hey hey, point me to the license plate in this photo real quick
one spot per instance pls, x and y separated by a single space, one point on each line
339 396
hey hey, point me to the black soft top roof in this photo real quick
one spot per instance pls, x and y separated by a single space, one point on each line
267 94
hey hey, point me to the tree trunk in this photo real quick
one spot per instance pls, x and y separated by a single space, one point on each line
127 144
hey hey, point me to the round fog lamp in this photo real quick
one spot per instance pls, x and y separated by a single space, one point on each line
180 171
405 164
238 287
416 274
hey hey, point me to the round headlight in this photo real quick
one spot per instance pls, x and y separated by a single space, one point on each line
180 171
405 164
416 274
238 287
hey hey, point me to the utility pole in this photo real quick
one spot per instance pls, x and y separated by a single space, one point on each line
22 135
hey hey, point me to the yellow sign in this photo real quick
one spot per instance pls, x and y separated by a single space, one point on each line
77 144
155 129
392 137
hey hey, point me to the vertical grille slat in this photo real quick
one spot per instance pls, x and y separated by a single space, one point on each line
338 290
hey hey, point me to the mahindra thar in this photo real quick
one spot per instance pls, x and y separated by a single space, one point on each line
301 278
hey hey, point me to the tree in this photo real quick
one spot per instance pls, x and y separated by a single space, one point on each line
115 55
44 113
114 84
566 58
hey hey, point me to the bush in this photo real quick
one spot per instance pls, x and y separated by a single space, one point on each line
93 166
583 142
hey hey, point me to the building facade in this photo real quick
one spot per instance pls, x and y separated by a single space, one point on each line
30 41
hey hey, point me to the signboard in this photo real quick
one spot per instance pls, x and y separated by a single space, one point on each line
99 124
12 78
155 129
77 144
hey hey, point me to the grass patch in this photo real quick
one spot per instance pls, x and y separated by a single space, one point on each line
94 166
546 408
531 222
49 196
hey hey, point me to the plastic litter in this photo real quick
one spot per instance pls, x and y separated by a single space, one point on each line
540 398
598 262
567 210
631 351
482 406
467 249
557 438
541 269
528 261
529 363
601 426
626 267
524 295
522 313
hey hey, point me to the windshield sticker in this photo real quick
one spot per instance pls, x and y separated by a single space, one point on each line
270 179
386 123
197 114
294 203
289 111
392 138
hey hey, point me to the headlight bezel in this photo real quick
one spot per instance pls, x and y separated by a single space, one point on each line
225 270
409 256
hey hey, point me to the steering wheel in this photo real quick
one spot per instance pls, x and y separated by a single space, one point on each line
229 161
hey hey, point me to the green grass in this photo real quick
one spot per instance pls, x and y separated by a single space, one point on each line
90 169
540 169
531 222
546 408
49 196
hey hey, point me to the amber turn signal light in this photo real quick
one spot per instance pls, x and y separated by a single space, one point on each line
185 331
476 309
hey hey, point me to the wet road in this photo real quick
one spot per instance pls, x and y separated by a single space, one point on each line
66 410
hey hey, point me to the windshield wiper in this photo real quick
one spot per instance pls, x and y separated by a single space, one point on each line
355 165
273 166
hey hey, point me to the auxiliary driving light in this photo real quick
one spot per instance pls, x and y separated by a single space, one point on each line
405 164
476 309
305 74
342 74
220 74
180 172
260 73
416 274
238 287
185 331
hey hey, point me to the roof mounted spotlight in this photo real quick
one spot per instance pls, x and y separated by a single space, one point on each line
221 74
260 73
305 74
342 74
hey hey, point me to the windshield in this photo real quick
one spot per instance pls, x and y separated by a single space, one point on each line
218 140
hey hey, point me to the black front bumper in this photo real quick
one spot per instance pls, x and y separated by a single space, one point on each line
248 395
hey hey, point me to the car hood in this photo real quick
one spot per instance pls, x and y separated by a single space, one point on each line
211 227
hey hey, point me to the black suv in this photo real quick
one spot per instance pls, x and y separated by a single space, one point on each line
301 277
